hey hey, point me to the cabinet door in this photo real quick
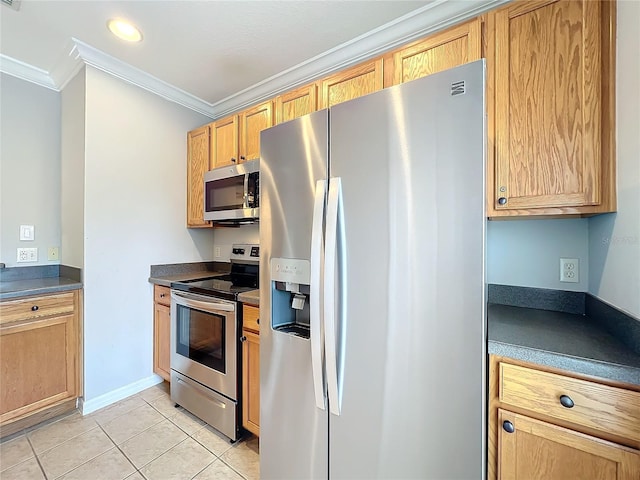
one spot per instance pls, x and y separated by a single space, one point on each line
162 341
548 104
448 49
296 103
39 364
197 165
251 382
224 142
252 122
355 82
538 450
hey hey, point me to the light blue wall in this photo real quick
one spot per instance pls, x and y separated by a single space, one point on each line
527 252
29 168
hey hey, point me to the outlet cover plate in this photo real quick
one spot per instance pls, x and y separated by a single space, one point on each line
570 270
27 255
53 254
27 233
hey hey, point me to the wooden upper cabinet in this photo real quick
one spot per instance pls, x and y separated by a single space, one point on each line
441 51
252 122
529 449
224 142
357 81
197 164
552 67
296 103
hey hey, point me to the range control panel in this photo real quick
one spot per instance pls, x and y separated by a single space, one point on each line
248 253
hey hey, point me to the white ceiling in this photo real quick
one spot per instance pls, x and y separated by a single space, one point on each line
207 50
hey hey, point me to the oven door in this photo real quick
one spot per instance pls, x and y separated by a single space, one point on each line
204 341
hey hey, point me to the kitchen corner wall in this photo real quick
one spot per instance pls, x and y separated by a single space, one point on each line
614 239
134 216
29 168
72 172
527 252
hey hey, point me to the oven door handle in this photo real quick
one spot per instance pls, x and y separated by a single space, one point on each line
207 306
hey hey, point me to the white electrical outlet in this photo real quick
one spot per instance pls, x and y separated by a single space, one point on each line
570 270
27 255
216 252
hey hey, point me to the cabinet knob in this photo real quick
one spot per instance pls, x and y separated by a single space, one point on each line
508 426
34 308
258 321
233 160
566 401
162 295
242 158
243 338
502 200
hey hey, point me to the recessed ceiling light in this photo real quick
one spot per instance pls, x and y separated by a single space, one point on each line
124 30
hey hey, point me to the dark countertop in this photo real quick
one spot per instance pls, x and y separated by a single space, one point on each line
252 297
38 280
165 280
571 342
178 272
37 286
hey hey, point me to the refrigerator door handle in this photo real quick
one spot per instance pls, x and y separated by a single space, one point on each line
315 295
333 279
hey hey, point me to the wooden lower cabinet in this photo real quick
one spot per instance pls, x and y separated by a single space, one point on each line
162 332
40 358
530 449
548 424
251 370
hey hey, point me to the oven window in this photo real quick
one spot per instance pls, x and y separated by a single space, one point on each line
224 194
200 337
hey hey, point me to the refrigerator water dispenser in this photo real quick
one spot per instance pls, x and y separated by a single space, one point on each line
290 286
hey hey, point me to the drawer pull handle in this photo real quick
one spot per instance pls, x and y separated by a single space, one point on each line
243 338
258 321
34 308
162 295
566 401
508 426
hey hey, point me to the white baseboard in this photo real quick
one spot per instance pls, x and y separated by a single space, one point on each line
90 406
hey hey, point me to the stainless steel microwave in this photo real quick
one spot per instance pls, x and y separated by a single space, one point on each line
232 193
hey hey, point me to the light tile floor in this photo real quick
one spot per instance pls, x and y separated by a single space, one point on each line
141 437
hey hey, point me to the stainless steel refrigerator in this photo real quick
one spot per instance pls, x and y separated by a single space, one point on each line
373 331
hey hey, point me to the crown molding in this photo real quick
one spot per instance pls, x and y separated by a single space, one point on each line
27 72
67 66
117 68
433 17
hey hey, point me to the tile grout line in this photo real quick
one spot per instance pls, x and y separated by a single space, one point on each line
206 466
37 458
120 450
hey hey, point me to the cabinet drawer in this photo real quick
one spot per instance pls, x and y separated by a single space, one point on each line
596 406
162 295
36 307
251 318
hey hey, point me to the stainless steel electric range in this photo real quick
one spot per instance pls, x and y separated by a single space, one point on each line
205 342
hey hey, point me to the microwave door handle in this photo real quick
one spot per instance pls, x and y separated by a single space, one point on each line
245 199
206 306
